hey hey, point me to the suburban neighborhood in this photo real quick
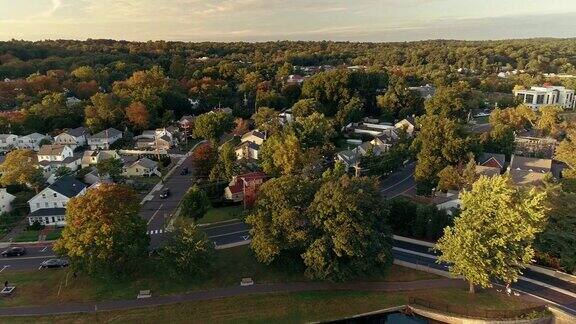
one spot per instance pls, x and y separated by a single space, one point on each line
428 181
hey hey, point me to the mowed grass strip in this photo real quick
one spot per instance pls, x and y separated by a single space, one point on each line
281 307
52 286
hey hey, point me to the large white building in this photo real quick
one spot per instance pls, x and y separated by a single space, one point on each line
6 200
537 97
49 206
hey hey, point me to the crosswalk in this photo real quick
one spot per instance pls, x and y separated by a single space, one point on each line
152 232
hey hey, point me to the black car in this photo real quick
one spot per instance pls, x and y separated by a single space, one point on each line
184 171
165 194
14 251
54 263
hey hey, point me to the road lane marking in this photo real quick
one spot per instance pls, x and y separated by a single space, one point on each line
44 249
245 237
227 234
154 215
399 182
405 191
4 267
220 226
30 258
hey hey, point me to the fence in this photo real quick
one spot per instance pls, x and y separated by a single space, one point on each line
475 312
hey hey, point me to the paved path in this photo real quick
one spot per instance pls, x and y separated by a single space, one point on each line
230 292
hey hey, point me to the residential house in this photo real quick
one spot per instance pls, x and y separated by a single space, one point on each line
6 200
529 171
49 206
449 201
490 164
160 139
75 137
537 97
245 187
426 91
286 117
186 124
379 145
250 145
144 167
104 139
295 79
372 128
531 143
53 156
407 124
72 101
31 141
93 157
8 142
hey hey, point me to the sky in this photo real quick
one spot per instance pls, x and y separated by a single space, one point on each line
263 20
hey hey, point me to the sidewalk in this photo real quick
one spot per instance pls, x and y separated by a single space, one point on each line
230 292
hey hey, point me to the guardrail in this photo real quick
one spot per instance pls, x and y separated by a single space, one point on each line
475 312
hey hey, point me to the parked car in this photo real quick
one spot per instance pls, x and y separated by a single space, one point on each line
14 251
165 194
54 263
184 171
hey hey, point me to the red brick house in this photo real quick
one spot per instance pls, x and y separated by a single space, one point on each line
245 188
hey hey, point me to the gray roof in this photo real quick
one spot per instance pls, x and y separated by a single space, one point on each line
77 132
522 163
485 157
68 186
110 132
49 212
147 163
5 136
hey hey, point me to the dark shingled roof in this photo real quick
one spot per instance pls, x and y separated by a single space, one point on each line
49 212
68 186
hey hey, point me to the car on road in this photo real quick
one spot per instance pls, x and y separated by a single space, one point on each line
54 263
14 251
184 171
165 193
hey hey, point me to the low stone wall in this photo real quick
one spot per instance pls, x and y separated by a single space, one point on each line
454 319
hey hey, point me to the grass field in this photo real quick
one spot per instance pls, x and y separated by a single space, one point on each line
27 236
230 266
215 215
281 307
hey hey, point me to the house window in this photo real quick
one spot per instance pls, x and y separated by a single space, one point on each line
55 204
44 196
55 195
37 205
46 204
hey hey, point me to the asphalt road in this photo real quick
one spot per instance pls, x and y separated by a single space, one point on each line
231 232
399 182
158 211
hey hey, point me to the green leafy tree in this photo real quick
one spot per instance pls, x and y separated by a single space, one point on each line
399 102
306 107
188 250
566 152
280 227
226 166
195 203
282 154
211 126
352 112
112 167
104 111
267 120
63 171
104 233
493 236
440 142
352 234
454 101
315 130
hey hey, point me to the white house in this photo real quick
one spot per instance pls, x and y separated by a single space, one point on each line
5 201
49 206
250 147
93 157
144 167
73 138
161 138
8 142
536 97
54 153
31 141
449 201
104 139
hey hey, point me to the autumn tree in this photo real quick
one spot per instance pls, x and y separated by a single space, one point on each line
104 233
493 236
204 158
195 203
566 152
282 153
242 126
549 120
138 115
306 107
211 126
21 167
104 111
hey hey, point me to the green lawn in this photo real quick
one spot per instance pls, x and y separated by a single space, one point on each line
229 267
215 215
54 235
27 236
278 308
